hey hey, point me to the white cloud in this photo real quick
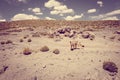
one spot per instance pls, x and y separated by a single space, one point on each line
54 12
36 11
112 13
52 3
22 16
57 8
2 20
91 10
100 3
49 18
111 18
24 1
115 12
74 17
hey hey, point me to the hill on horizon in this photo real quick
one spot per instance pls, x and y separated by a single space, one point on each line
59 23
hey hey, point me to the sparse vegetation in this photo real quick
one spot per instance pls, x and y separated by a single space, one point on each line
4 68
2 42
8 42
21 40
110 66
92 37
118 39
44 49
112 37
56 51
26 36
29 40
27 51
36 35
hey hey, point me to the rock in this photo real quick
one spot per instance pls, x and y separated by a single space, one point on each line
110 66
85 35
56 51
88 34
61 31
44 49
117 32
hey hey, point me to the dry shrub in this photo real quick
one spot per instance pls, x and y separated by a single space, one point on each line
56 51
27 51
44 49
112 37
26 36
2 42
36 35
51 36
4 68
110 66
118 39
8 42
92 37
21 40
29 40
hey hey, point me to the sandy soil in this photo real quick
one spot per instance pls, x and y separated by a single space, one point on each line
81 64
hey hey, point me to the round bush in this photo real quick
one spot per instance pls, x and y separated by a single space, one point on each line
8 42
29 40
2 42
44 49
21 40
56 51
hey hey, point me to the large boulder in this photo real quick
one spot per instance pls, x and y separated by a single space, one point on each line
85 35
110 67
64 30
117 32
88 34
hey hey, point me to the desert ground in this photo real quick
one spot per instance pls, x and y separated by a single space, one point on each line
22 57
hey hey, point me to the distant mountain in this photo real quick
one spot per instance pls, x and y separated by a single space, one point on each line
59 23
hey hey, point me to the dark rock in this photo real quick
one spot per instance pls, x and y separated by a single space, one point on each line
110 66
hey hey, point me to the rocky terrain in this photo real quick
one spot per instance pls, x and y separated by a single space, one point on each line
41 50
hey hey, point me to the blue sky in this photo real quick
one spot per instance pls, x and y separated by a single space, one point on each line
11 10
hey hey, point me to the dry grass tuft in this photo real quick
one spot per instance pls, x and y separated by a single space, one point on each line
27 51
56 51
44 49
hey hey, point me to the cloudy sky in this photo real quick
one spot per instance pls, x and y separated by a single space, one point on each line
11 10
